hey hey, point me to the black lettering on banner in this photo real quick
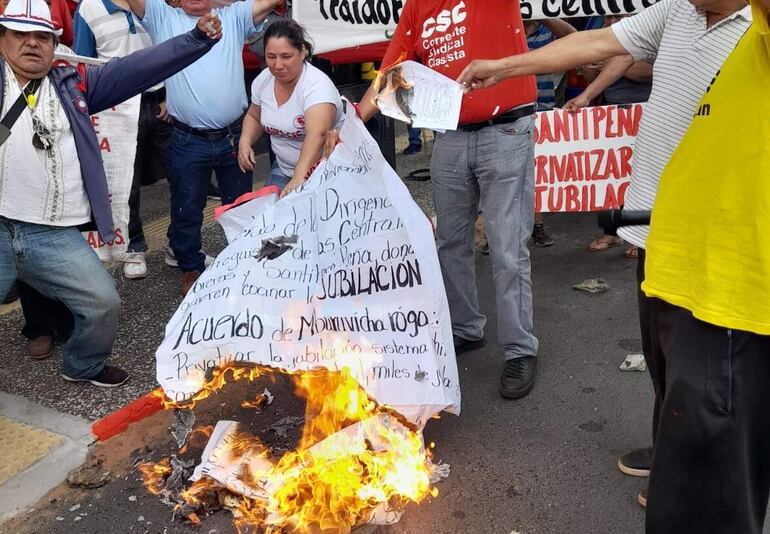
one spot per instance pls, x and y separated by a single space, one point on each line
387 12
370 280
184 368
313 324
244 324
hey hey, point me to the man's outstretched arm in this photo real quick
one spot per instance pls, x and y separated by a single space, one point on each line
261 8
138 7
563 54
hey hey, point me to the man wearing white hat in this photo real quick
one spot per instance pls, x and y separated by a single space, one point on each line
51 173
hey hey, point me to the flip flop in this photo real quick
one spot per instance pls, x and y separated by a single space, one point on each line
631 252
605 242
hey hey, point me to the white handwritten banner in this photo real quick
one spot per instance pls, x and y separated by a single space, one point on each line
583 160
360 289
338 24
116 131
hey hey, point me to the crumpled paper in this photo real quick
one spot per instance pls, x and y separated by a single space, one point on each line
634 362
592 285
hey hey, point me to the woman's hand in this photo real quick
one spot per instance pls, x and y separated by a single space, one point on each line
331 140
294 184
246 158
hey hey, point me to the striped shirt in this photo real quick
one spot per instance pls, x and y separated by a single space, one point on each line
546 89
672 35
105 30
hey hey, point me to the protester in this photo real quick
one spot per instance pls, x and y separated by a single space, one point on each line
540 34
106 29
708 276
486 165
206 102
620 81
47 321
292 101
52 178
687 42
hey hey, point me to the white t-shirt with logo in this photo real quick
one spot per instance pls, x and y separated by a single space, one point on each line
286 124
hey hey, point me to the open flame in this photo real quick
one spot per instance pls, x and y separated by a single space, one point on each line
355 462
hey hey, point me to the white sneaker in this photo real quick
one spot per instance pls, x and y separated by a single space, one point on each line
134 265
171 260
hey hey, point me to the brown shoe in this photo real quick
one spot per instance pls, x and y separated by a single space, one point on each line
188 279
40 348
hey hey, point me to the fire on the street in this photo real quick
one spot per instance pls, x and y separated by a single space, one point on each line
356 462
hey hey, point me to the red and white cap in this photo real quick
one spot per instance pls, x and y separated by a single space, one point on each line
29 16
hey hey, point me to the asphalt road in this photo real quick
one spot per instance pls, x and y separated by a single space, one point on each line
543 464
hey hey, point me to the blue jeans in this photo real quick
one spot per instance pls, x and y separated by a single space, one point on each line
193 159
491 169
277 177
58 262
415 136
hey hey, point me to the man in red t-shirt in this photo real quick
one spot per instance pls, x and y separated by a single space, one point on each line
486 164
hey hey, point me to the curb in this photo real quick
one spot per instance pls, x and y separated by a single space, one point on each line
113 424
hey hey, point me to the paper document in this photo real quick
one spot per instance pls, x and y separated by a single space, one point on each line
422 97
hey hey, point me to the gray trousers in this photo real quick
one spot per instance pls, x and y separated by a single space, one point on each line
492 170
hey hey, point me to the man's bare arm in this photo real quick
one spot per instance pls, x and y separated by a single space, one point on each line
559 28
640 71
261 8
576 49
138 7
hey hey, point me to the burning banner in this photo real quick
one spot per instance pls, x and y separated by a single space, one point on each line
351 280
337 285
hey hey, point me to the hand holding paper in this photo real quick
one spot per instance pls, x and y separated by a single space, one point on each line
420 96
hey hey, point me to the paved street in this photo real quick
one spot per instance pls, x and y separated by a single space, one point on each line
544 464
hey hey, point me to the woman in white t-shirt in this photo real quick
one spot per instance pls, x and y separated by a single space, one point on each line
293 102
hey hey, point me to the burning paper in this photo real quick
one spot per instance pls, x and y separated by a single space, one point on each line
355 462
420 96
248 472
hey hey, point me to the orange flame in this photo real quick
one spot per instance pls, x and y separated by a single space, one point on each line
354 458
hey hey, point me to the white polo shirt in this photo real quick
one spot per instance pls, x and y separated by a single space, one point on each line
686 55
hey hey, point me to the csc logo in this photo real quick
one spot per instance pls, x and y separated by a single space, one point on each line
444 20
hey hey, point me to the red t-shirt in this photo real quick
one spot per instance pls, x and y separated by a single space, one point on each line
446 35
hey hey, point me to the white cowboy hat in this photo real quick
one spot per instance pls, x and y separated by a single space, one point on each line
29 16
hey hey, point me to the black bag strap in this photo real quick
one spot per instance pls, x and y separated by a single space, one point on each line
15 112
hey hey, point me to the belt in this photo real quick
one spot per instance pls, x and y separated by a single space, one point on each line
233 128
507 117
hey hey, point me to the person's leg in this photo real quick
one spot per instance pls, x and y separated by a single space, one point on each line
653 355
7 258
455 196
54 261
711 470
415 141
505 169
232 181
191 167
540 236
144 154
46 321
638 462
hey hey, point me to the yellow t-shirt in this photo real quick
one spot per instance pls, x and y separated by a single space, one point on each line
709 244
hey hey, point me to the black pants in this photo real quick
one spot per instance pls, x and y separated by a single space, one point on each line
43 316
656 361
152 162
711 469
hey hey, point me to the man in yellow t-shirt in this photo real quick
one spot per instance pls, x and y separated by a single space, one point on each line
708 271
